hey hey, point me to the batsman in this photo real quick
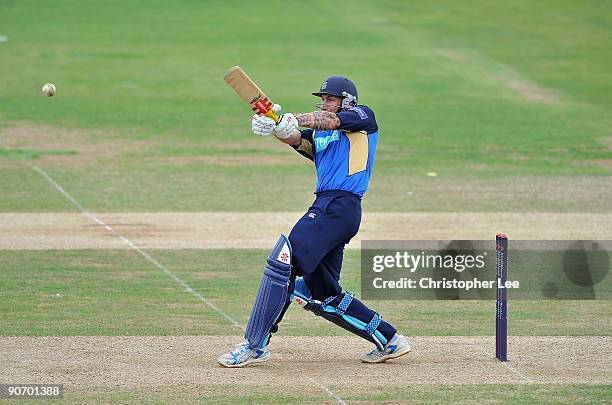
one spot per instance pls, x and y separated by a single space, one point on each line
340 138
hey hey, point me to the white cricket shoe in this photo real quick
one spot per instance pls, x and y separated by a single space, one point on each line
243 354
397 346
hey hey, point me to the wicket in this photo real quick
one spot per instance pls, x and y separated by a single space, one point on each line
501 305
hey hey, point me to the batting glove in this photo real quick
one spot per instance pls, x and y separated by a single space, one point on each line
262 125
287 126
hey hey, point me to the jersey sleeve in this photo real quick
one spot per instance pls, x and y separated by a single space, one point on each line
306 148
358 118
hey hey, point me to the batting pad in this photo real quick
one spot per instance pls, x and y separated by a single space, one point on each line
272 294
338 315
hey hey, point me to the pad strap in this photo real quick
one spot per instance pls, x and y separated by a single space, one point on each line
346 301
338 315
373 323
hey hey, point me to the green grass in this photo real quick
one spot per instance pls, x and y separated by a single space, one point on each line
30 154
416 394
177 71
118 292
193 187
438 75
96 293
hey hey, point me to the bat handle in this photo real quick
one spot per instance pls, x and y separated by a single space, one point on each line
272 115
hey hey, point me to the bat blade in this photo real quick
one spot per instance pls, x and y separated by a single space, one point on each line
249 92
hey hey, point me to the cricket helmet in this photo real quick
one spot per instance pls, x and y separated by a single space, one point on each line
339 86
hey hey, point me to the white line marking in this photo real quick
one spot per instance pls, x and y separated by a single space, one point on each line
161 267
128 242
330 392
515 370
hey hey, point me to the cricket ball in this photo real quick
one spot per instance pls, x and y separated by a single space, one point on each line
48 89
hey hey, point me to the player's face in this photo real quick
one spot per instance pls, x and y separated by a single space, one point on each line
330 103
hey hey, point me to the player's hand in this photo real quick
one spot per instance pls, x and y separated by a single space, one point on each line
262 125
287 126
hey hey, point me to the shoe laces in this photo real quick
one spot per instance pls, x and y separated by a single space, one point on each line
239 351
375 351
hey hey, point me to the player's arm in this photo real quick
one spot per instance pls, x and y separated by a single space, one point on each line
321 120
287 130
358 118
301 141
305 147
294 140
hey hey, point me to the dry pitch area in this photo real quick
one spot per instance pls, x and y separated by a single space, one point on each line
158 361
255 230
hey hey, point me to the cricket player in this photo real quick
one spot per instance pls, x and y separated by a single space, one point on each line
305 267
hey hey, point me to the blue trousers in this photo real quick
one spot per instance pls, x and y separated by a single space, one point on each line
317 242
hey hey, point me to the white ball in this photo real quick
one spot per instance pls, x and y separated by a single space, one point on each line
48 89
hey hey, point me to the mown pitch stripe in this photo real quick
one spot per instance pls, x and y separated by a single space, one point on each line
158 265
129 243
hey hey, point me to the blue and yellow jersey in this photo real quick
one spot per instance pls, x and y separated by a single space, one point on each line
344 157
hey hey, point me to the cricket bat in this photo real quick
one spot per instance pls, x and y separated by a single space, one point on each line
246 88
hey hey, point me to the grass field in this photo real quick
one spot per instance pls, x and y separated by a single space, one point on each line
76 292
513 394
482 109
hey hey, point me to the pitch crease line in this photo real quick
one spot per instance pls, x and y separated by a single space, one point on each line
128 242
